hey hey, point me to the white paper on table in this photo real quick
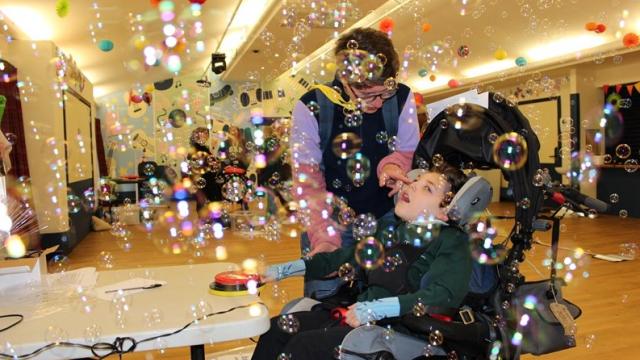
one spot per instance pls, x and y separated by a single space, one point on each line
611 257
102 293
85 277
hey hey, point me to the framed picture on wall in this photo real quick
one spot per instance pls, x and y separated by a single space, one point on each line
78 137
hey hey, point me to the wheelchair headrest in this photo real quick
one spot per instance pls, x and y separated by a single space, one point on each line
472 198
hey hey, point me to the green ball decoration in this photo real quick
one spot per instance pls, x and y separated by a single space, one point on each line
521 61
105 45
62 8
422 72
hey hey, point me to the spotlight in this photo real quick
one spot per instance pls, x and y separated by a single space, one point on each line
204 82
218 63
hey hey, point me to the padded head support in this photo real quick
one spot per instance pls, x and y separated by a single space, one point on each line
472 198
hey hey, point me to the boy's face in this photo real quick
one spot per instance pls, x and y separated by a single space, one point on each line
423 198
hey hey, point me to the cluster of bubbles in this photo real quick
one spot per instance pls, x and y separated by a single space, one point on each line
481 239
289 323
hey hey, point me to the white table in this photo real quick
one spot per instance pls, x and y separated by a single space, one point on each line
186 285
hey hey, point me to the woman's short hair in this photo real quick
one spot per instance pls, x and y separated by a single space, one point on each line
374 42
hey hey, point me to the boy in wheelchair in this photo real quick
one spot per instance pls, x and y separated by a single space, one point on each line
434 278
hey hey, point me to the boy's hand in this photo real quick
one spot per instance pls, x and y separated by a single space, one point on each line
351 317
392 176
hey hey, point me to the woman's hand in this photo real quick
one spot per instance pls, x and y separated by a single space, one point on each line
393 177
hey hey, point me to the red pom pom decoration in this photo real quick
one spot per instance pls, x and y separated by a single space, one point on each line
386 25
419 99
631 40
198 1
453 83
600 28
591 26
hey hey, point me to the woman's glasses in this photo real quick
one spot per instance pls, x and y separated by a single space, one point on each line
385 95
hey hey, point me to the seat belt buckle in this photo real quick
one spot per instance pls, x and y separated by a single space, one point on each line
466 315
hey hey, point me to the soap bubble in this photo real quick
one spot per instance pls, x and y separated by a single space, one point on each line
58 263
200 183
436 338
92 334
198 163
623 151
234 189
199 311
346 272
388 236
153 317
89 199
392 143
538 179
623 213
614 198
631 165
369 253
284 356
346 216
481 237
510 151
346 145
419 309
74 203
353 119
382 137
105 260
289 323
589 340
437 160
421 232
358 169
628 250
364 225
55 335
148 169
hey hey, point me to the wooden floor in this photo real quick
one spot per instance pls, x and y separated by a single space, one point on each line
608 293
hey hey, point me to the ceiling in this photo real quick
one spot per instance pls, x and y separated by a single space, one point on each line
124 66
515 26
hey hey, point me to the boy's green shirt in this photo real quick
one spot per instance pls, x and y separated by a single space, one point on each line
445 260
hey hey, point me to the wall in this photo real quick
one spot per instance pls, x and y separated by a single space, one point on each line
44 130
223 103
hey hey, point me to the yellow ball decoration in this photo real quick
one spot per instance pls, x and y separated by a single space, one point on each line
500 54
331 67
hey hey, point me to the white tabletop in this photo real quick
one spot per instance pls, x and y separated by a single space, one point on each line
186 285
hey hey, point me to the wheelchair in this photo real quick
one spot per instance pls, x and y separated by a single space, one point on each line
487 325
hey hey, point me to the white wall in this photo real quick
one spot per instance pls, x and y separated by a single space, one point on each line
44 131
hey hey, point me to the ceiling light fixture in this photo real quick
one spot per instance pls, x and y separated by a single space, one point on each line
565 46
489 68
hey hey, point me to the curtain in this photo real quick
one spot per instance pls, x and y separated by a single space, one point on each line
102 161
12 123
